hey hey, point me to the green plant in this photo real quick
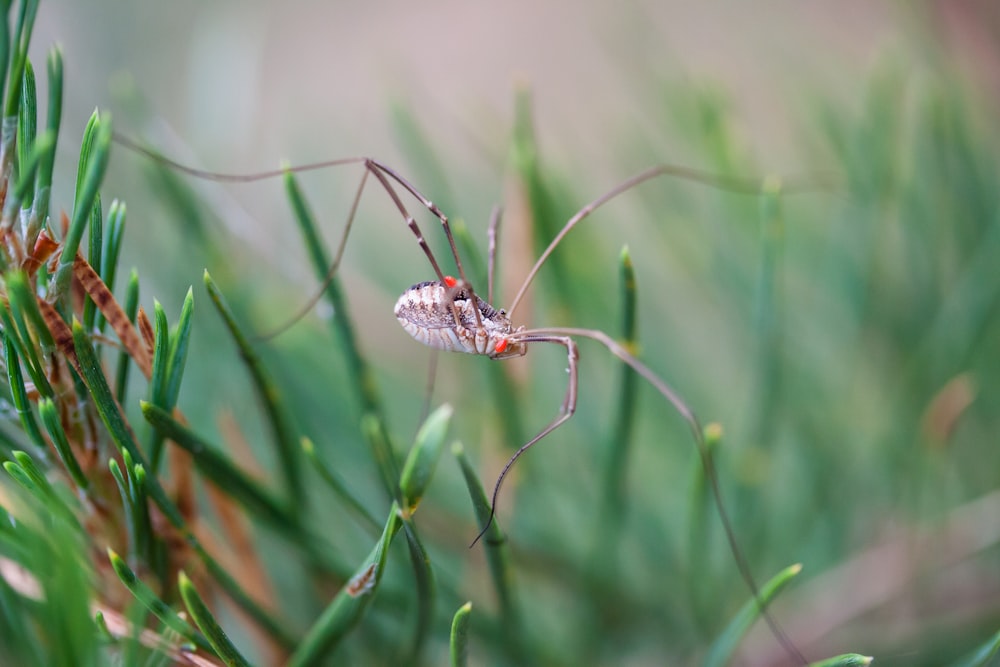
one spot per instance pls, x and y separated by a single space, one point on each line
846 341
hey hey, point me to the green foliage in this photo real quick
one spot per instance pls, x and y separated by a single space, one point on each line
842 328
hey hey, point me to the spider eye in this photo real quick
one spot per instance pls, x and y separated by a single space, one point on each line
501 346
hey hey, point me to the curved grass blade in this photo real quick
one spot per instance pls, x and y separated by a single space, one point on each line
982 656
82 355
206 622
497 556
23 307
350 604
131 310
845 660
725 645
22 37
95 250
459 642
94 163
50 417
285 438
423 457
339 487
154 604
112 250
425 590
417 473
362 378
169 357
700 580
43 191
19 395
221 471
42 147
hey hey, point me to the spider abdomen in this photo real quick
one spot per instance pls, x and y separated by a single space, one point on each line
425 311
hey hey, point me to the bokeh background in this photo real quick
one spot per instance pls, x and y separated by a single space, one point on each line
846 339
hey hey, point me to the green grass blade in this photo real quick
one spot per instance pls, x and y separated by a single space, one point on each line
124 439
846 660
19 395
124 360
282 429
459 642
423 457
425 590
361 374
93 169
40 149
349 605
161 354
223 473
95 243
724 646
27 126
497 555
53 120
154 604
206 622
701 582
50 417
22 37
621 436
982 656
339 487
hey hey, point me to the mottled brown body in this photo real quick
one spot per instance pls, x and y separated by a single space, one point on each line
444 318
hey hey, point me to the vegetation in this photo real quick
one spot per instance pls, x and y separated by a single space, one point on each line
190 493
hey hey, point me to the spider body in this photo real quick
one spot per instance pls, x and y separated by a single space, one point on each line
444 317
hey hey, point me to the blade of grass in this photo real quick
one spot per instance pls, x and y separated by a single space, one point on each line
50 417
89 368
112 250
724 646
416 476
206 622
131 309
93 164
154 604
282 430
349 605
846 660
982 656
497 558
459 642
362 377
53 120
223 473
19 396
339 487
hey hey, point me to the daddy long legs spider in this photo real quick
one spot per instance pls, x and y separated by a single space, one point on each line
447 314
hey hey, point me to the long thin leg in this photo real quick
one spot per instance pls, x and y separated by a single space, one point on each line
331 272
686 413
491 251
382 172
565 412
430 206
733 184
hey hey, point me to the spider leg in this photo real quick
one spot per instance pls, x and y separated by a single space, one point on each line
565 412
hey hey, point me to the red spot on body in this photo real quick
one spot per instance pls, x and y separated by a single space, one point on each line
501 346
450 281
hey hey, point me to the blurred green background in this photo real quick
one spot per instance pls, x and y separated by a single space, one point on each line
846 340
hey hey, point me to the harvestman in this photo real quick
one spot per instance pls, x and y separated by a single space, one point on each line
447 314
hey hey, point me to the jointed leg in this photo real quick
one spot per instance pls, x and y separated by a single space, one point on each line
565 412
